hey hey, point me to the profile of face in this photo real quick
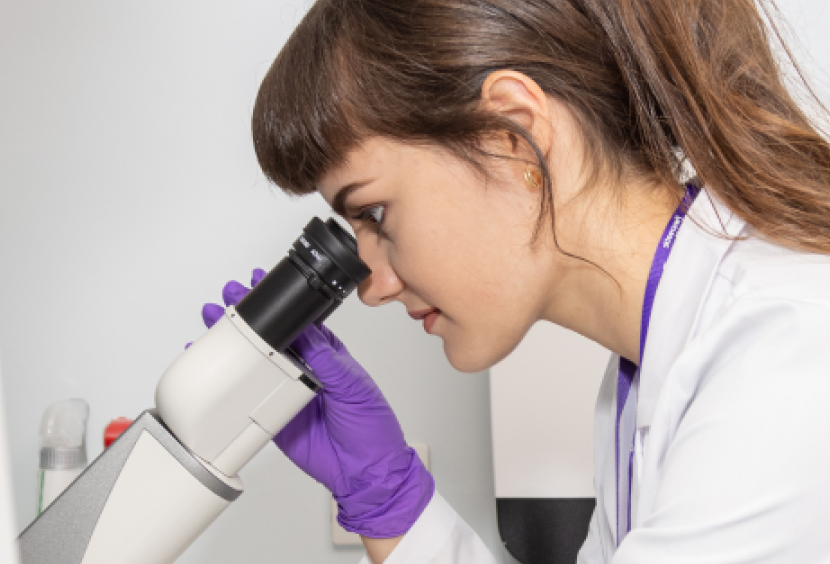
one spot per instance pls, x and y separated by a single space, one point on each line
454 248
457 247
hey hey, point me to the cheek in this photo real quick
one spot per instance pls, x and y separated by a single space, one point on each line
484 321
424 261
468 273
441 254
466 257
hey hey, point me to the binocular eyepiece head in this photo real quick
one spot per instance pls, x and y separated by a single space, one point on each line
322 268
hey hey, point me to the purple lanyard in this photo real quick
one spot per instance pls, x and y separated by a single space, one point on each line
627 401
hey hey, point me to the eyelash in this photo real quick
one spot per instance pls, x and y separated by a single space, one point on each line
368 214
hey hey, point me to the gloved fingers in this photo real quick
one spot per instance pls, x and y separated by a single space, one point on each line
311 343
211 313
314 339
335 343
187 346
257 275
333 368
306 441
293 439
339 373
233 292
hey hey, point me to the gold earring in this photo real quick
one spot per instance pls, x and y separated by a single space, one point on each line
533 179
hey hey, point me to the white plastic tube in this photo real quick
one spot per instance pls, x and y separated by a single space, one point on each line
62 449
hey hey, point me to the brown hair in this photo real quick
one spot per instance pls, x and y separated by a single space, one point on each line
644 78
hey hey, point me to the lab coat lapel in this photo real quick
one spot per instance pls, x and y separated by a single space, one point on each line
687 276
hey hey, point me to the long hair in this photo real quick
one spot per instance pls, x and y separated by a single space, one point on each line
647 80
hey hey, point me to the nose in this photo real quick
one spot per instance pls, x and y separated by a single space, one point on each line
383 285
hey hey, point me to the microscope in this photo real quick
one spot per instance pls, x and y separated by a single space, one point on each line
148 496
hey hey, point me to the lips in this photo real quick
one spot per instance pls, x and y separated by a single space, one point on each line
421 313
428 315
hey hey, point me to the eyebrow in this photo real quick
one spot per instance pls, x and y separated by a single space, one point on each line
339 202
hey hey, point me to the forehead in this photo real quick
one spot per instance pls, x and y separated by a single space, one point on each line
367 161
381 157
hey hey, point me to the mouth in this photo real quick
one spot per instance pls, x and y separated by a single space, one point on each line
428 315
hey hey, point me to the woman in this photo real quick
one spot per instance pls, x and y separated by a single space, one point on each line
509 161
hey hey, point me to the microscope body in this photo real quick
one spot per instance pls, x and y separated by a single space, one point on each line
174 471
230 393
148 496
145 499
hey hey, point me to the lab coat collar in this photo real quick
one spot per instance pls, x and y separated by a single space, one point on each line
687 277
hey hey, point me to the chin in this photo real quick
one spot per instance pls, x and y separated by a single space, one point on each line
465 359
478 351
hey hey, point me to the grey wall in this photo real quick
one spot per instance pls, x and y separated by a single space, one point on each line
129 194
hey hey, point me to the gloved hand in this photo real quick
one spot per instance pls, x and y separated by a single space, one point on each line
348 438
232 294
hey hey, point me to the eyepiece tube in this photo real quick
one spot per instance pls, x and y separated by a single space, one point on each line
322 268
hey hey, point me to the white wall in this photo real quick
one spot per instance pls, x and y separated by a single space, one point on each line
806 25
805 28
129 194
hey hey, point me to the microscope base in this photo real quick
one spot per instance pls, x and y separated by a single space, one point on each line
144 500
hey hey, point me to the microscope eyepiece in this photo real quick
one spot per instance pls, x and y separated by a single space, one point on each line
322 268
341 235
331 254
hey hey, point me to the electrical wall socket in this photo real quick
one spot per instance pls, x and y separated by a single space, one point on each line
340 536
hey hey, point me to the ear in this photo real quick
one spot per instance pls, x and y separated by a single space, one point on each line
518 97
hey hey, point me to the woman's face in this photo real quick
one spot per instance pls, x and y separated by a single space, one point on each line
454 248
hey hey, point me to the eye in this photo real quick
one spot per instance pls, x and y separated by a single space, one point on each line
373 214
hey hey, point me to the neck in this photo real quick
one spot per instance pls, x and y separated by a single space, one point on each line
620 237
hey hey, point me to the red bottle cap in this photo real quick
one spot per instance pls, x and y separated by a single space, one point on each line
114 430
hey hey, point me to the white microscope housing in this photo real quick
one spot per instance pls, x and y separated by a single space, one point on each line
230 394
171 474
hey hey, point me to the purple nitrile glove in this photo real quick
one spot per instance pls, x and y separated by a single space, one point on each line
232 294
348 438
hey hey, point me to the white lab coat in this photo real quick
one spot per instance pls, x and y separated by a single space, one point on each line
732 448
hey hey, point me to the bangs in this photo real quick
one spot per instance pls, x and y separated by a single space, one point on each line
300 122
352 70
